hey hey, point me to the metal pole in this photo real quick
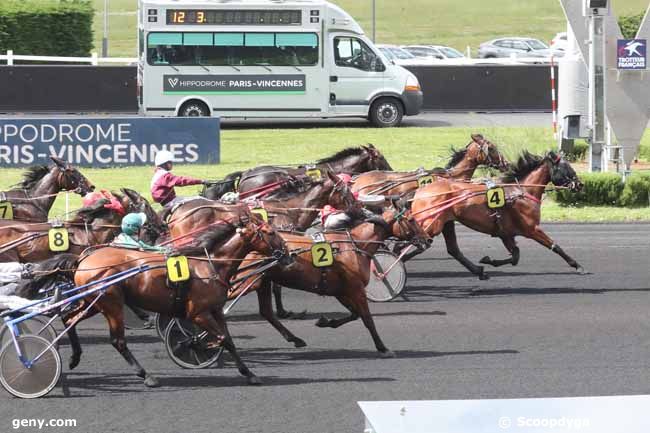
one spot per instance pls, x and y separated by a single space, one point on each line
105 38
597 91
374 20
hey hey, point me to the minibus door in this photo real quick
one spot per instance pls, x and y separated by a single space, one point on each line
356 74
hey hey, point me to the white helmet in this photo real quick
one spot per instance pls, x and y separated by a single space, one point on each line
163 157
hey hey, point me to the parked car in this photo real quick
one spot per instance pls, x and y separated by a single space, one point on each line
400 56
519 47
438 52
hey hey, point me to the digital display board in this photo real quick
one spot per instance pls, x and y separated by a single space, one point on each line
233 17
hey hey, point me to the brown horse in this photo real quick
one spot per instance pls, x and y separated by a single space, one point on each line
289 211
438 205
462 166
351 160
345 279
206 290
29 242
33 198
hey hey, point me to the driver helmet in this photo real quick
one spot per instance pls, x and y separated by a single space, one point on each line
163 157
132 222
345 178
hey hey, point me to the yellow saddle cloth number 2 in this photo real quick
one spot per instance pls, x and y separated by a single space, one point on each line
58 239
178 269
496 198
322 255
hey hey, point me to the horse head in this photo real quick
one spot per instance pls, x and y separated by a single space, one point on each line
263 238
484 152
562 174
376 160
133 202
69 178
341 196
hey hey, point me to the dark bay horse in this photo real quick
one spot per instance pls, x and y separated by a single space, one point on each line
206 291
346 279
28 242
438 205
462 166
33 198
351 161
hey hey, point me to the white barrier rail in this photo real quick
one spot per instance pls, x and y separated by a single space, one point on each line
94 60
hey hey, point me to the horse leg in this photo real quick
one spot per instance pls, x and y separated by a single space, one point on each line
75 345
324 322
511 246
215 323
358 306
542 238
449 232
115 318
266 310
279 306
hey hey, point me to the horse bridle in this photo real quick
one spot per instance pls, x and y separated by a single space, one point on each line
341 187
276 254
484 152
73 177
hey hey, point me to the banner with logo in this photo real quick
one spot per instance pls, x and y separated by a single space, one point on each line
108 142
234 84
631 54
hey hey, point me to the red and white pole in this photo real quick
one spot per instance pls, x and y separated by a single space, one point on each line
553 98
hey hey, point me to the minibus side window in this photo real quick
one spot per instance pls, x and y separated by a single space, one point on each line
354 53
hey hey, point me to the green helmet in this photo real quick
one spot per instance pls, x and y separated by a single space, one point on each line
132 222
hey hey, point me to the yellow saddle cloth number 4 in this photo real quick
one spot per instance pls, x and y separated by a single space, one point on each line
496 198
58 239
322 255
178 269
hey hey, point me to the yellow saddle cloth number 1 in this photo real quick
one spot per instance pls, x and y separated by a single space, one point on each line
58 239
178 269
496 198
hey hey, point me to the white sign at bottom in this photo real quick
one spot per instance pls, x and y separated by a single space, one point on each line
624 414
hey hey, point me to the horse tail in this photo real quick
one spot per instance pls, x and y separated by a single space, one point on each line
46 274
218 189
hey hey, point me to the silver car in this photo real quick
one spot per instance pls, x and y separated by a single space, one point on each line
519 47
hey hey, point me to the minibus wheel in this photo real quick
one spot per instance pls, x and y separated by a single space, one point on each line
194 109
386 112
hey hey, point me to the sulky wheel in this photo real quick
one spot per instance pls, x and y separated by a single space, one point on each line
161 323
188 346
37 325
383 288
34 380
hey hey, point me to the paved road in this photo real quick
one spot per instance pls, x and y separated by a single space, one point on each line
537 330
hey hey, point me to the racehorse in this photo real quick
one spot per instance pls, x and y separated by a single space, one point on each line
438 205
33 198
462 166
347 277
288 211
268 179
206 290
29 242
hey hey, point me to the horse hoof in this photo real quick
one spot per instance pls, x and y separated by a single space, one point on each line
151 382
297 316
323 322
254 380
74 362
581 270
283 314
486 260
387 354
299 343
482 275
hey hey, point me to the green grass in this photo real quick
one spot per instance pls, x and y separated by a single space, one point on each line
449 22
405 149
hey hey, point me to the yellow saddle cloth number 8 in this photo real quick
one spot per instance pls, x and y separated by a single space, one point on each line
178 269
58 239
496 198
322 255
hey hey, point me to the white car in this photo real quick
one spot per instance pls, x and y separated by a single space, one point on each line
436 52
559 42
400 56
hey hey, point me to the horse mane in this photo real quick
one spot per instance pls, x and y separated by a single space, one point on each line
208 240
291 189
456 157
32 176
526 163
350 151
